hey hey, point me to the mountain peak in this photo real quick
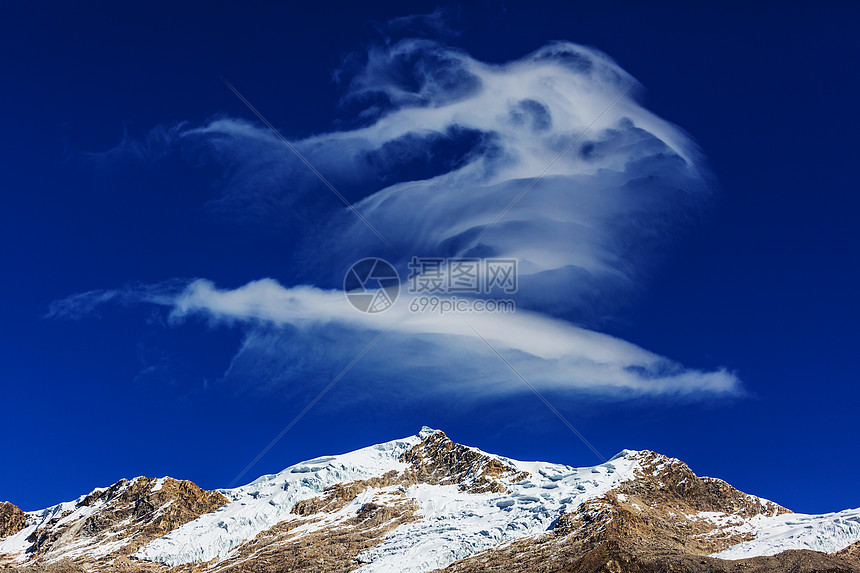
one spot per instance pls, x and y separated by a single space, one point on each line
12 519
427 431
423 503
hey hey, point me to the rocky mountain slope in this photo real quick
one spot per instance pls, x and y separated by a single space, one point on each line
425 503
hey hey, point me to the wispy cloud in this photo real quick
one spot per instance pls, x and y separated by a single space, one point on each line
441 145
87 303
556 354
322 325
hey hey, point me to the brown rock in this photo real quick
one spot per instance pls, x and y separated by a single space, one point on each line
11 519
129 514
661 521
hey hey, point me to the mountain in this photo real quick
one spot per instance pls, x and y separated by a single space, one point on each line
425 503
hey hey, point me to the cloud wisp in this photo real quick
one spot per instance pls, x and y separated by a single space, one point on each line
556 354
304 330
442 144
461 139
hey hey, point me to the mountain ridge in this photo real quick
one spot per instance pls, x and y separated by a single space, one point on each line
426 503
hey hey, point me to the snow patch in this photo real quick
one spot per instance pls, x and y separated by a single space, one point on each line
267 501
829 533
456 525
453 525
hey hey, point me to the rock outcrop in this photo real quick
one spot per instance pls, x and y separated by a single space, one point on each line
420 504
666 520
11 519
111 523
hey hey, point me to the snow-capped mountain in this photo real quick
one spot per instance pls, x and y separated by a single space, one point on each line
425 503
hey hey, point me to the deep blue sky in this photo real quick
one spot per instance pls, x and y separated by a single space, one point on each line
764 284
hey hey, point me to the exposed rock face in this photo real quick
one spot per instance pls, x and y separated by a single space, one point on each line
11 519
641 512
701 515
851 552
109 524
614 553
334 547
666 520
436 460
439 461
339 495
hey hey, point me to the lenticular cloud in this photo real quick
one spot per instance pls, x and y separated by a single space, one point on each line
547 159
447 144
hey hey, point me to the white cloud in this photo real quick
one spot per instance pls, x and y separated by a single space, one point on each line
482 132
443 144
551 353
87 303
